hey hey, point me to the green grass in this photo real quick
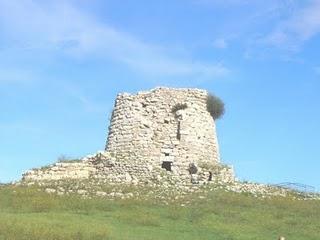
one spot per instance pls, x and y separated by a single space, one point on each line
26 213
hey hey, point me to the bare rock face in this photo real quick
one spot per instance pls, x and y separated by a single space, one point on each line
162 136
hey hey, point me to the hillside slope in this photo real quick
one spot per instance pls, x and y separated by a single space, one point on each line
27 213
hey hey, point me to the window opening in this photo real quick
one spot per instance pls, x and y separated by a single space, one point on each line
178 131
167 165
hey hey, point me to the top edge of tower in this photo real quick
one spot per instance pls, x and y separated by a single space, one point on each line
166 90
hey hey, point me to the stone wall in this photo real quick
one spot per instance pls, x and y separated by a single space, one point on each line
60 171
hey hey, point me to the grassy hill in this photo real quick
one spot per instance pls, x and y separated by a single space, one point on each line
27 213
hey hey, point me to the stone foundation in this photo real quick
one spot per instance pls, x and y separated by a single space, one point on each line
105 168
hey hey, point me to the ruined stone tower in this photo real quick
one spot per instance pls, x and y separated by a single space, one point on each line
161 136
163 127
164 139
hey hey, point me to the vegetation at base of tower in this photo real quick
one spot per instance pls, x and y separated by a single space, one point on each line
66 159
179 106
27 213
61 159
215 168
215 106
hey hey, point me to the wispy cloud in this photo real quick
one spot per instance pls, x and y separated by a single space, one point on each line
263 24
63 28
220 43
86 102
296 29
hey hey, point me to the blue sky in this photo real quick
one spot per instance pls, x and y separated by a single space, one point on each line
63 62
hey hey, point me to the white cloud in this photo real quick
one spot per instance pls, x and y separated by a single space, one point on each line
298 28
61 27
220 43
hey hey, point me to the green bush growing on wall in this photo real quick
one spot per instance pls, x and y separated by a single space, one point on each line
179 106
215 106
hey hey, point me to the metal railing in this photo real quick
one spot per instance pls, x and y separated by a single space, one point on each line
298 187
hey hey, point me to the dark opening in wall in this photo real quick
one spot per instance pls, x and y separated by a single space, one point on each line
210 176
167 165
166 121
193 168
178 132
166 154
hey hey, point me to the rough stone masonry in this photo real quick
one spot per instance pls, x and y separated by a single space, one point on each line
149 131
161 136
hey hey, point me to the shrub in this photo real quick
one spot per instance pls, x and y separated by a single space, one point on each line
215 106
179 106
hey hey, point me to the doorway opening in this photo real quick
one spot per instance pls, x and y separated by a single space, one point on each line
167 165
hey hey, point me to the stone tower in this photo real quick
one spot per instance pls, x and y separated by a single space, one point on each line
164 139
165 127
161 136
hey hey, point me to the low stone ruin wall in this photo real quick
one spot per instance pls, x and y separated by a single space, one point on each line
103 167
61 170
94 172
